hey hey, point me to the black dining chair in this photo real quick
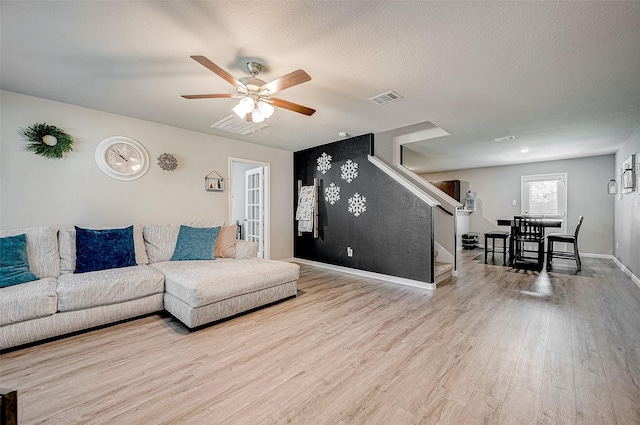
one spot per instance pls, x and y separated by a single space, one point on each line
528 242
560 238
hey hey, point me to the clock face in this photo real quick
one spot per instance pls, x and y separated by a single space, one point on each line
122 158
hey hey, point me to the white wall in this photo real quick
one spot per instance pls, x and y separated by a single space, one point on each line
73 191
627 213
497 187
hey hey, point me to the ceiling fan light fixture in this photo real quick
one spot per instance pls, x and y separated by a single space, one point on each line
255 104
266 110
244 107
256 116
239 110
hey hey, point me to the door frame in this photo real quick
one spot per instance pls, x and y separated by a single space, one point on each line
234 186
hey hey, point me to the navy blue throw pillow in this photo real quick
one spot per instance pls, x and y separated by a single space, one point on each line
195 243
14 261
104 249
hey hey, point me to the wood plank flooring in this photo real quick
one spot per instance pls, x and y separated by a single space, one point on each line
492 346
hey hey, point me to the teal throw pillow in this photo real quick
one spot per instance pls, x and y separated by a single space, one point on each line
14 261
195 243
104 249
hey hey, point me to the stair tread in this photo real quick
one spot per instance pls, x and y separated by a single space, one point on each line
442 268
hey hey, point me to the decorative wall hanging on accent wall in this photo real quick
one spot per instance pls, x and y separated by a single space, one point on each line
324 163
357 204
332 193
349 171
167 162
47 140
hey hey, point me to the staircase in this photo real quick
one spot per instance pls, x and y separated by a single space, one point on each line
442 270
445 212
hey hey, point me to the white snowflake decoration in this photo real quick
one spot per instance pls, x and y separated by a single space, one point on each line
324 163
357 204
332 194
349 171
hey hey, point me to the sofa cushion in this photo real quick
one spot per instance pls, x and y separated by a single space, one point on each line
226 242
246 249
195 243
42 248
104 287
160 239
14 261
104 249
67 239
200 283
28 301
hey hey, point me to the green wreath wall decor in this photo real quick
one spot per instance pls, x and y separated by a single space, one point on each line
47 140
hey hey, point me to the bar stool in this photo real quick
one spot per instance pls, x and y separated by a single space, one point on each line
568 239
498 234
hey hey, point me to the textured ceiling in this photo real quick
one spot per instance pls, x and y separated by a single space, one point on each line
562 77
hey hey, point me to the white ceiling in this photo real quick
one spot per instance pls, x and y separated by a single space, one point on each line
562 77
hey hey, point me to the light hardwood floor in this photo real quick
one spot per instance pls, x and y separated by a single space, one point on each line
492 346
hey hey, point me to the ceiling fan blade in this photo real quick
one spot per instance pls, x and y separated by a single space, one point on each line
207 96
217 70
291 79
291 106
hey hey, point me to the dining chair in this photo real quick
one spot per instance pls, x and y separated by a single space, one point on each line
528 242
569 239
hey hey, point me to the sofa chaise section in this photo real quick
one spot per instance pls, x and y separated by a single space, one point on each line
201 292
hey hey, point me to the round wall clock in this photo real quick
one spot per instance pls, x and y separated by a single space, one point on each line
122 158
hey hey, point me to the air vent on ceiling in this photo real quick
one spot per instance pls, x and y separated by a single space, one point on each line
384 98
504 139
235 125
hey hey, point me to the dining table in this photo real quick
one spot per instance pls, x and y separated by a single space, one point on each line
545 222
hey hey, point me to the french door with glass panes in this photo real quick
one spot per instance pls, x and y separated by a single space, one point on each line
254 213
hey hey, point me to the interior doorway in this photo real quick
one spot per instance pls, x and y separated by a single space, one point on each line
249 201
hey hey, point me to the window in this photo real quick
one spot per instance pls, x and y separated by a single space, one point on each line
544 194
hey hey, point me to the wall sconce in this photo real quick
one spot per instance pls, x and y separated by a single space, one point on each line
612 187
213 184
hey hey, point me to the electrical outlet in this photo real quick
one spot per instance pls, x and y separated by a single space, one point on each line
349 252
514 203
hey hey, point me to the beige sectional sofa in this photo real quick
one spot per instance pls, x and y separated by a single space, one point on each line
196 292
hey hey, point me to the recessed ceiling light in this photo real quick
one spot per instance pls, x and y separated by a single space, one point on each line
504 139
524 150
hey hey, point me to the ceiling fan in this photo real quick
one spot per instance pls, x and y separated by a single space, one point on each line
255 95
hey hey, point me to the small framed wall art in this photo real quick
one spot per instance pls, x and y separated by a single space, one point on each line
629 174
637 161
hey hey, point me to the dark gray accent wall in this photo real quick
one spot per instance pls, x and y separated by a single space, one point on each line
388 228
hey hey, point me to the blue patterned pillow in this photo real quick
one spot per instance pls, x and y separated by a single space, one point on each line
14 261
195 243
104 249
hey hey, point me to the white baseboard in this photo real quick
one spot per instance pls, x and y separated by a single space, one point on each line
430 286
605 256
626 271
364 273
617 262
